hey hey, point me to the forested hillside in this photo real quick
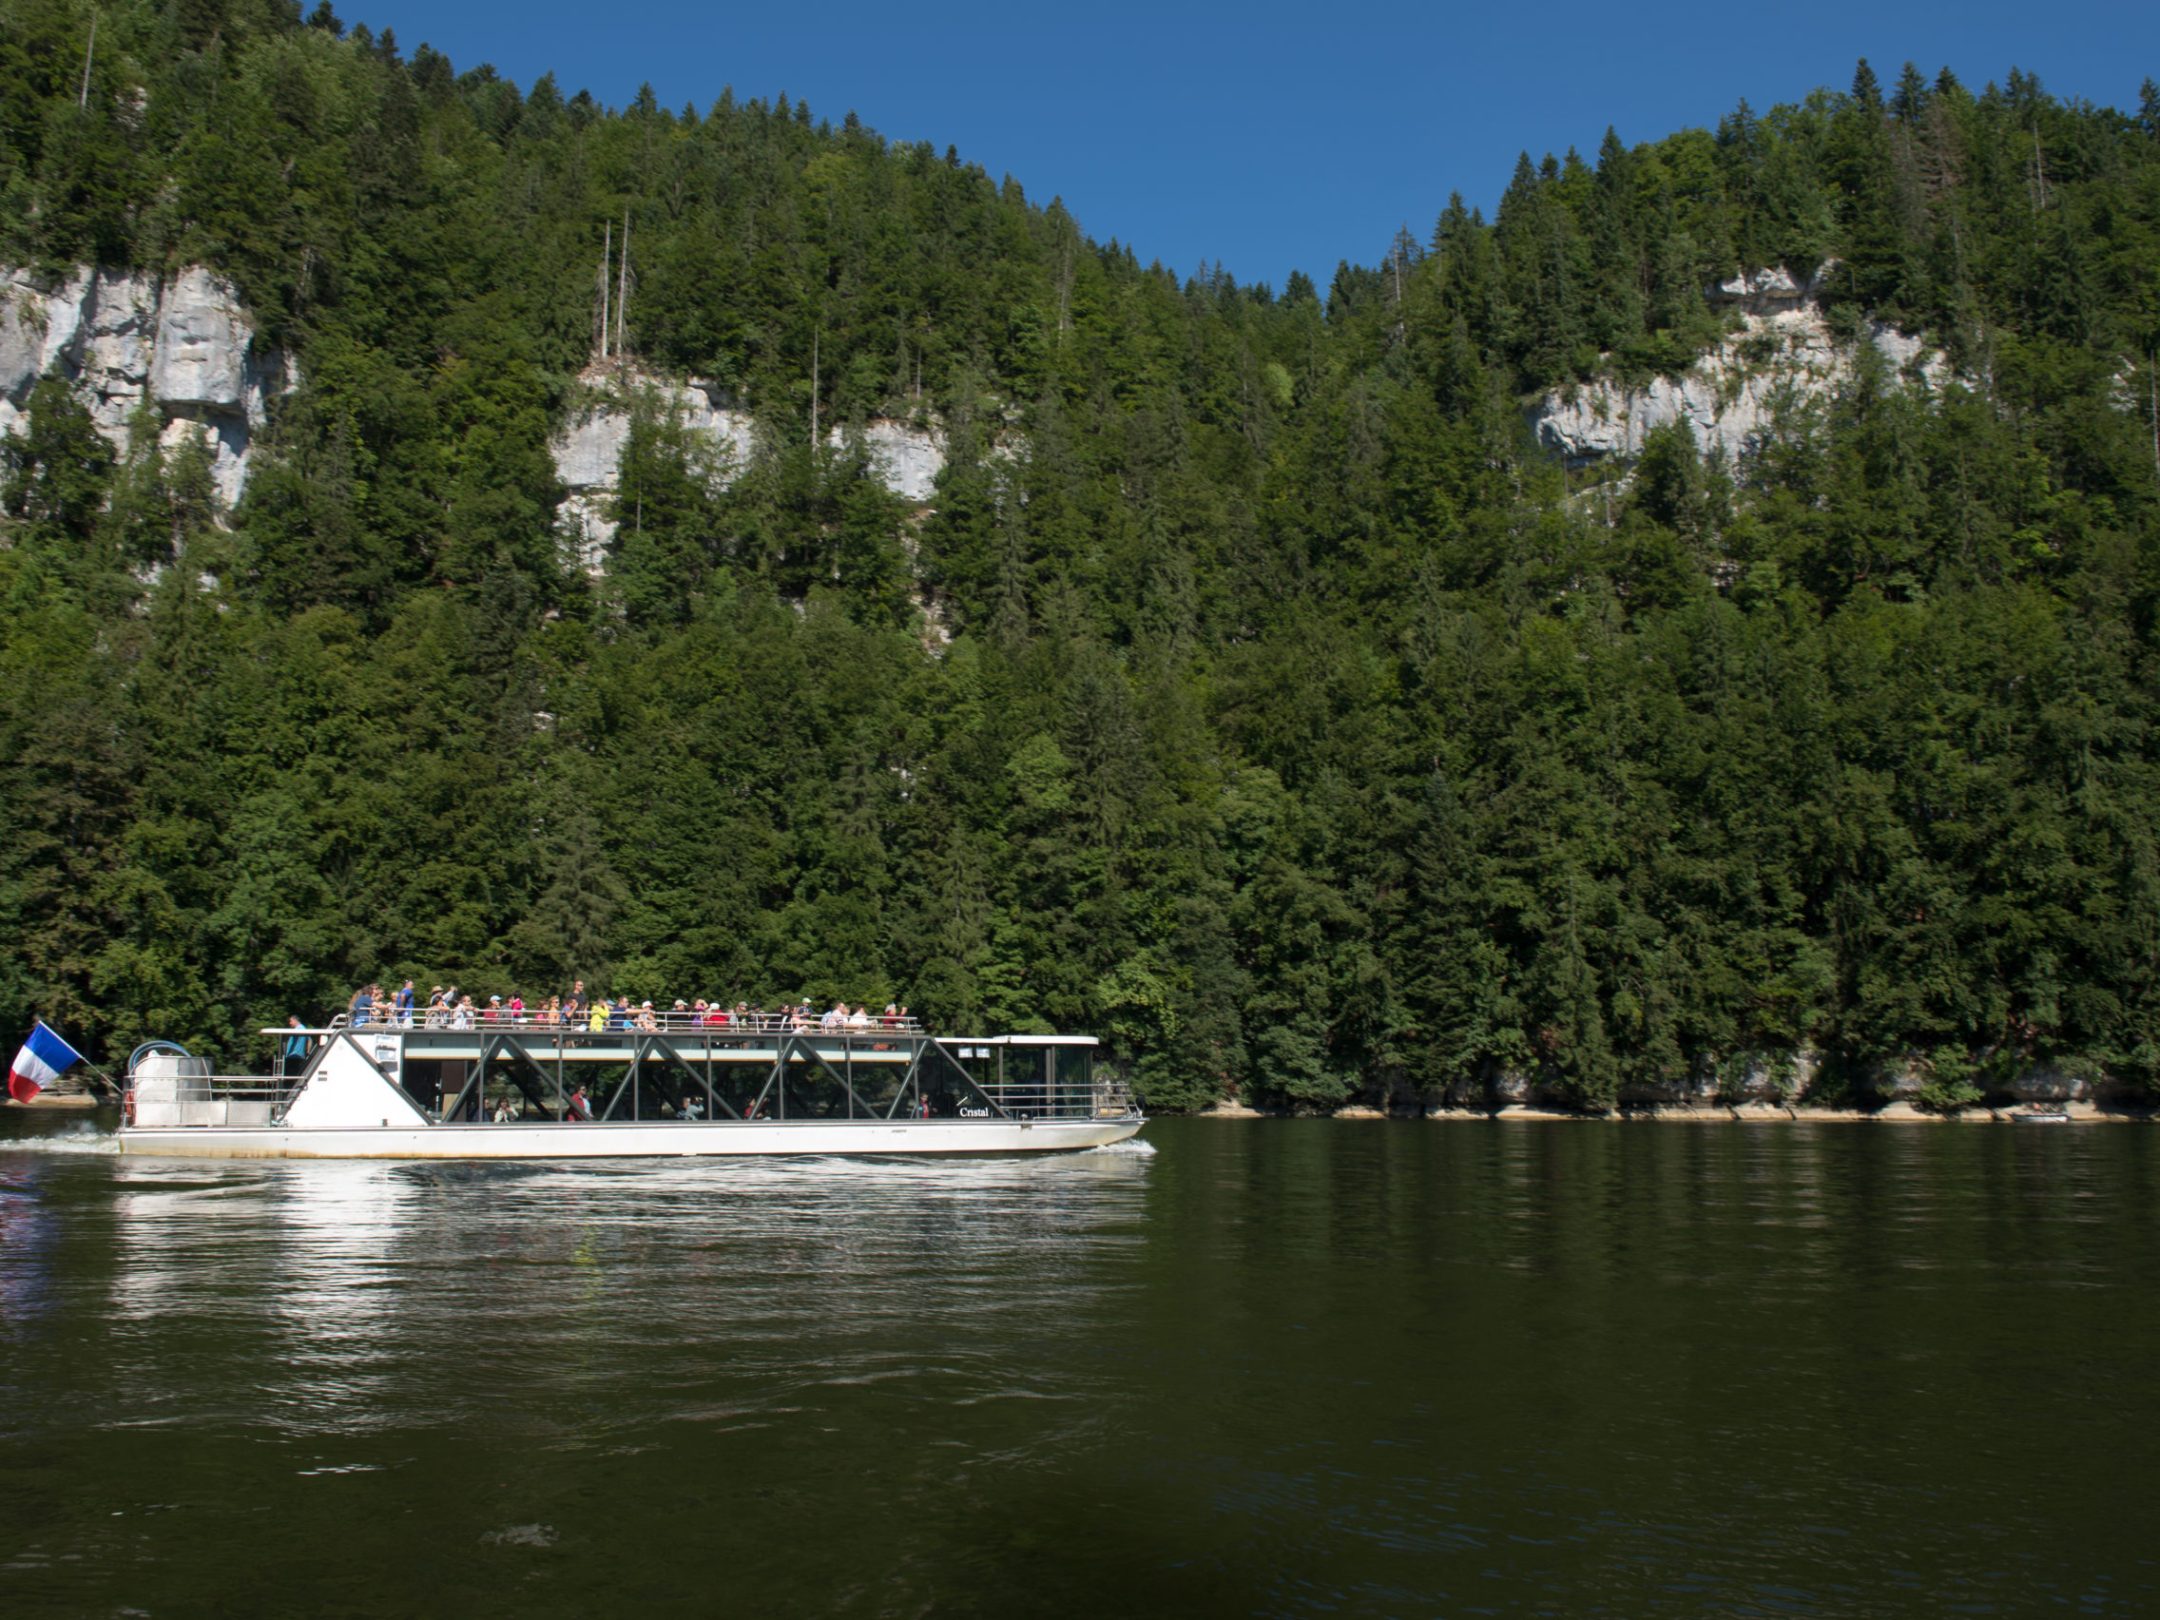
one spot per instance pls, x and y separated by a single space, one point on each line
1302 728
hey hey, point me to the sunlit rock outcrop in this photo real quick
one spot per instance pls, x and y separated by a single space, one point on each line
588 449
124 339
1784 359
906 459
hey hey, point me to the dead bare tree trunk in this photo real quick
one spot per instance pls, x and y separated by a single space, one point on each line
82 102
622 286
607 264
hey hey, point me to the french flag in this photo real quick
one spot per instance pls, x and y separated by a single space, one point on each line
43 1059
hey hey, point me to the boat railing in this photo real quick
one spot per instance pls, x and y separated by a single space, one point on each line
634 1023
207 1099
1103 1099
234 1087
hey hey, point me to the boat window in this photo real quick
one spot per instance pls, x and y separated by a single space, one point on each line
947 1088
1075 1074
811 1090
878 1077
1025 1067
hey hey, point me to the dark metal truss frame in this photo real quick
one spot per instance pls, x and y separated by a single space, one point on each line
517 1047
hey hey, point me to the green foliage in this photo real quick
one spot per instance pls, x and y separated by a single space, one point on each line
1251 693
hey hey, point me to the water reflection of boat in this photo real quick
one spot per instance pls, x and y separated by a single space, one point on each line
677 1090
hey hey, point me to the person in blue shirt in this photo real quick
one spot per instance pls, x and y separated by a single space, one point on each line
403 1002
293 1047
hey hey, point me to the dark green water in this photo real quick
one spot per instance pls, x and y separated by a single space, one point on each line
1271 1367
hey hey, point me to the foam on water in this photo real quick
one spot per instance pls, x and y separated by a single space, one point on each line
1132 1147
85 1139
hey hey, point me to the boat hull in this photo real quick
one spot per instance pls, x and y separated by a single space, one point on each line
629 1140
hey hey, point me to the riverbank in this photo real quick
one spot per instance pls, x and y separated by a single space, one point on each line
1896 1113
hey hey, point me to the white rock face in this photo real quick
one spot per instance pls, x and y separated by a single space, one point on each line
1759 292
202 344
588 450
1782 363
36 329
124 338
907 459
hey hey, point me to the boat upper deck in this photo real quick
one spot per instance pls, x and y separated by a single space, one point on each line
682 1038
689 1068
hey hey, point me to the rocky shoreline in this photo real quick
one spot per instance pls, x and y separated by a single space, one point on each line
1794 1087
2078 1112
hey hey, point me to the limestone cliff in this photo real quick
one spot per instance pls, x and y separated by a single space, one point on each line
1784 360
588 449
124 338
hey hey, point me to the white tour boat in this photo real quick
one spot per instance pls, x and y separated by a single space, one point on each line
681 1087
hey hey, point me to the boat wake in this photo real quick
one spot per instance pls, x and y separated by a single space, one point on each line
96 1144
1131 1147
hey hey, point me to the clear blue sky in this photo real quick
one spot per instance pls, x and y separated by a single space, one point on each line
1268 136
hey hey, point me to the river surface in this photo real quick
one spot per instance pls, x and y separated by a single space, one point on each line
1267 1367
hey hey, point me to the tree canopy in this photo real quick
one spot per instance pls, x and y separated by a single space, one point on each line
1254 692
